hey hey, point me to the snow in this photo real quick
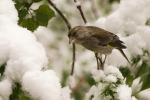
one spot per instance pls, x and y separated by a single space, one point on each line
124 92
114 71
45 85
128 22
44 36
136 85
25 59
5 89
25 53
72 81
66 93
11 10
98 75
22 51
110 74
93 92
144 95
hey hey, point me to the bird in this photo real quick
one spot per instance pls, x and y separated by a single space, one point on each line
98 40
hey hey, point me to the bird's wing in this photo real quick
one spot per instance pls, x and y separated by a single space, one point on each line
107 38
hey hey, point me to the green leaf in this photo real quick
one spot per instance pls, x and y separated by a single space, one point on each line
18 94
127 74
44 14
89 79
22 13
65 76
29 23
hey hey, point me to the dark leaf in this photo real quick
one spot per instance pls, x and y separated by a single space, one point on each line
43 14
22 13
65 76
127 74
29 23
89 79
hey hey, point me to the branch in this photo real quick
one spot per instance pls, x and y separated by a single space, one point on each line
69 28
61 14
80 10
73 58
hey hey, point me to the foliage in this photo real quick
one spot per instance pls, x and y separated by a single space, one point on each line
30 18
33 18
18 94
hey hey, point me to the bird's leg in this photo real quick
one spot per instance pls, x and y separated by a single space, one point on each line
100 60
97 59
104 60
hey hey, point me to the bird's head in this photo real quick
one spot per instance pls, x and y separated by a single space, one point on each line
74 34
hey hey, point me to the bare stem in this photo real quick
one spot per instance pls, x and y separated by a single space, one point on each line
73 58
69 27
81 12
61 14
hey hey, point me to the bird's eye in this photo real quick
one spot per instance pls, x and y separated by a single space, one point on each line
74 34
69 35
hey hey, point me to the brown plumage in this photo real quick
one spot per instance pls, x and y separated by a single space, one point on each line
96 39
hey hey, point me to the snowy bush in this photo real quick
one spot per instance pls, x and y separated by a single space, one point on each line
35 57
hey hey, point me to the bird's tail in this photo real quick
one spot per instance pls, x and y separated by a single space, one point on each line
122 52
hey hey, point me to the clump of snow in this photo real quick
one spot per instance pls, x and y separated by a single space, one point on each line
23 52
111 79
5 89
19 47
110 74
25 59
45 85
114 71
92 93
66 93
136 85
124 92
72 81
144 95
44 36
98 75
7 9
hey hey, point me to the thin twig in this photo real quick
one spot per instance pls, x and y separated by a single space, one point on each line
73 58
69 28
61 14
81 12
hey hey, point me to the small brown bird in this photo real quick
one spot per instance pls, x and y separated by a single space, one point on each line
97 40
